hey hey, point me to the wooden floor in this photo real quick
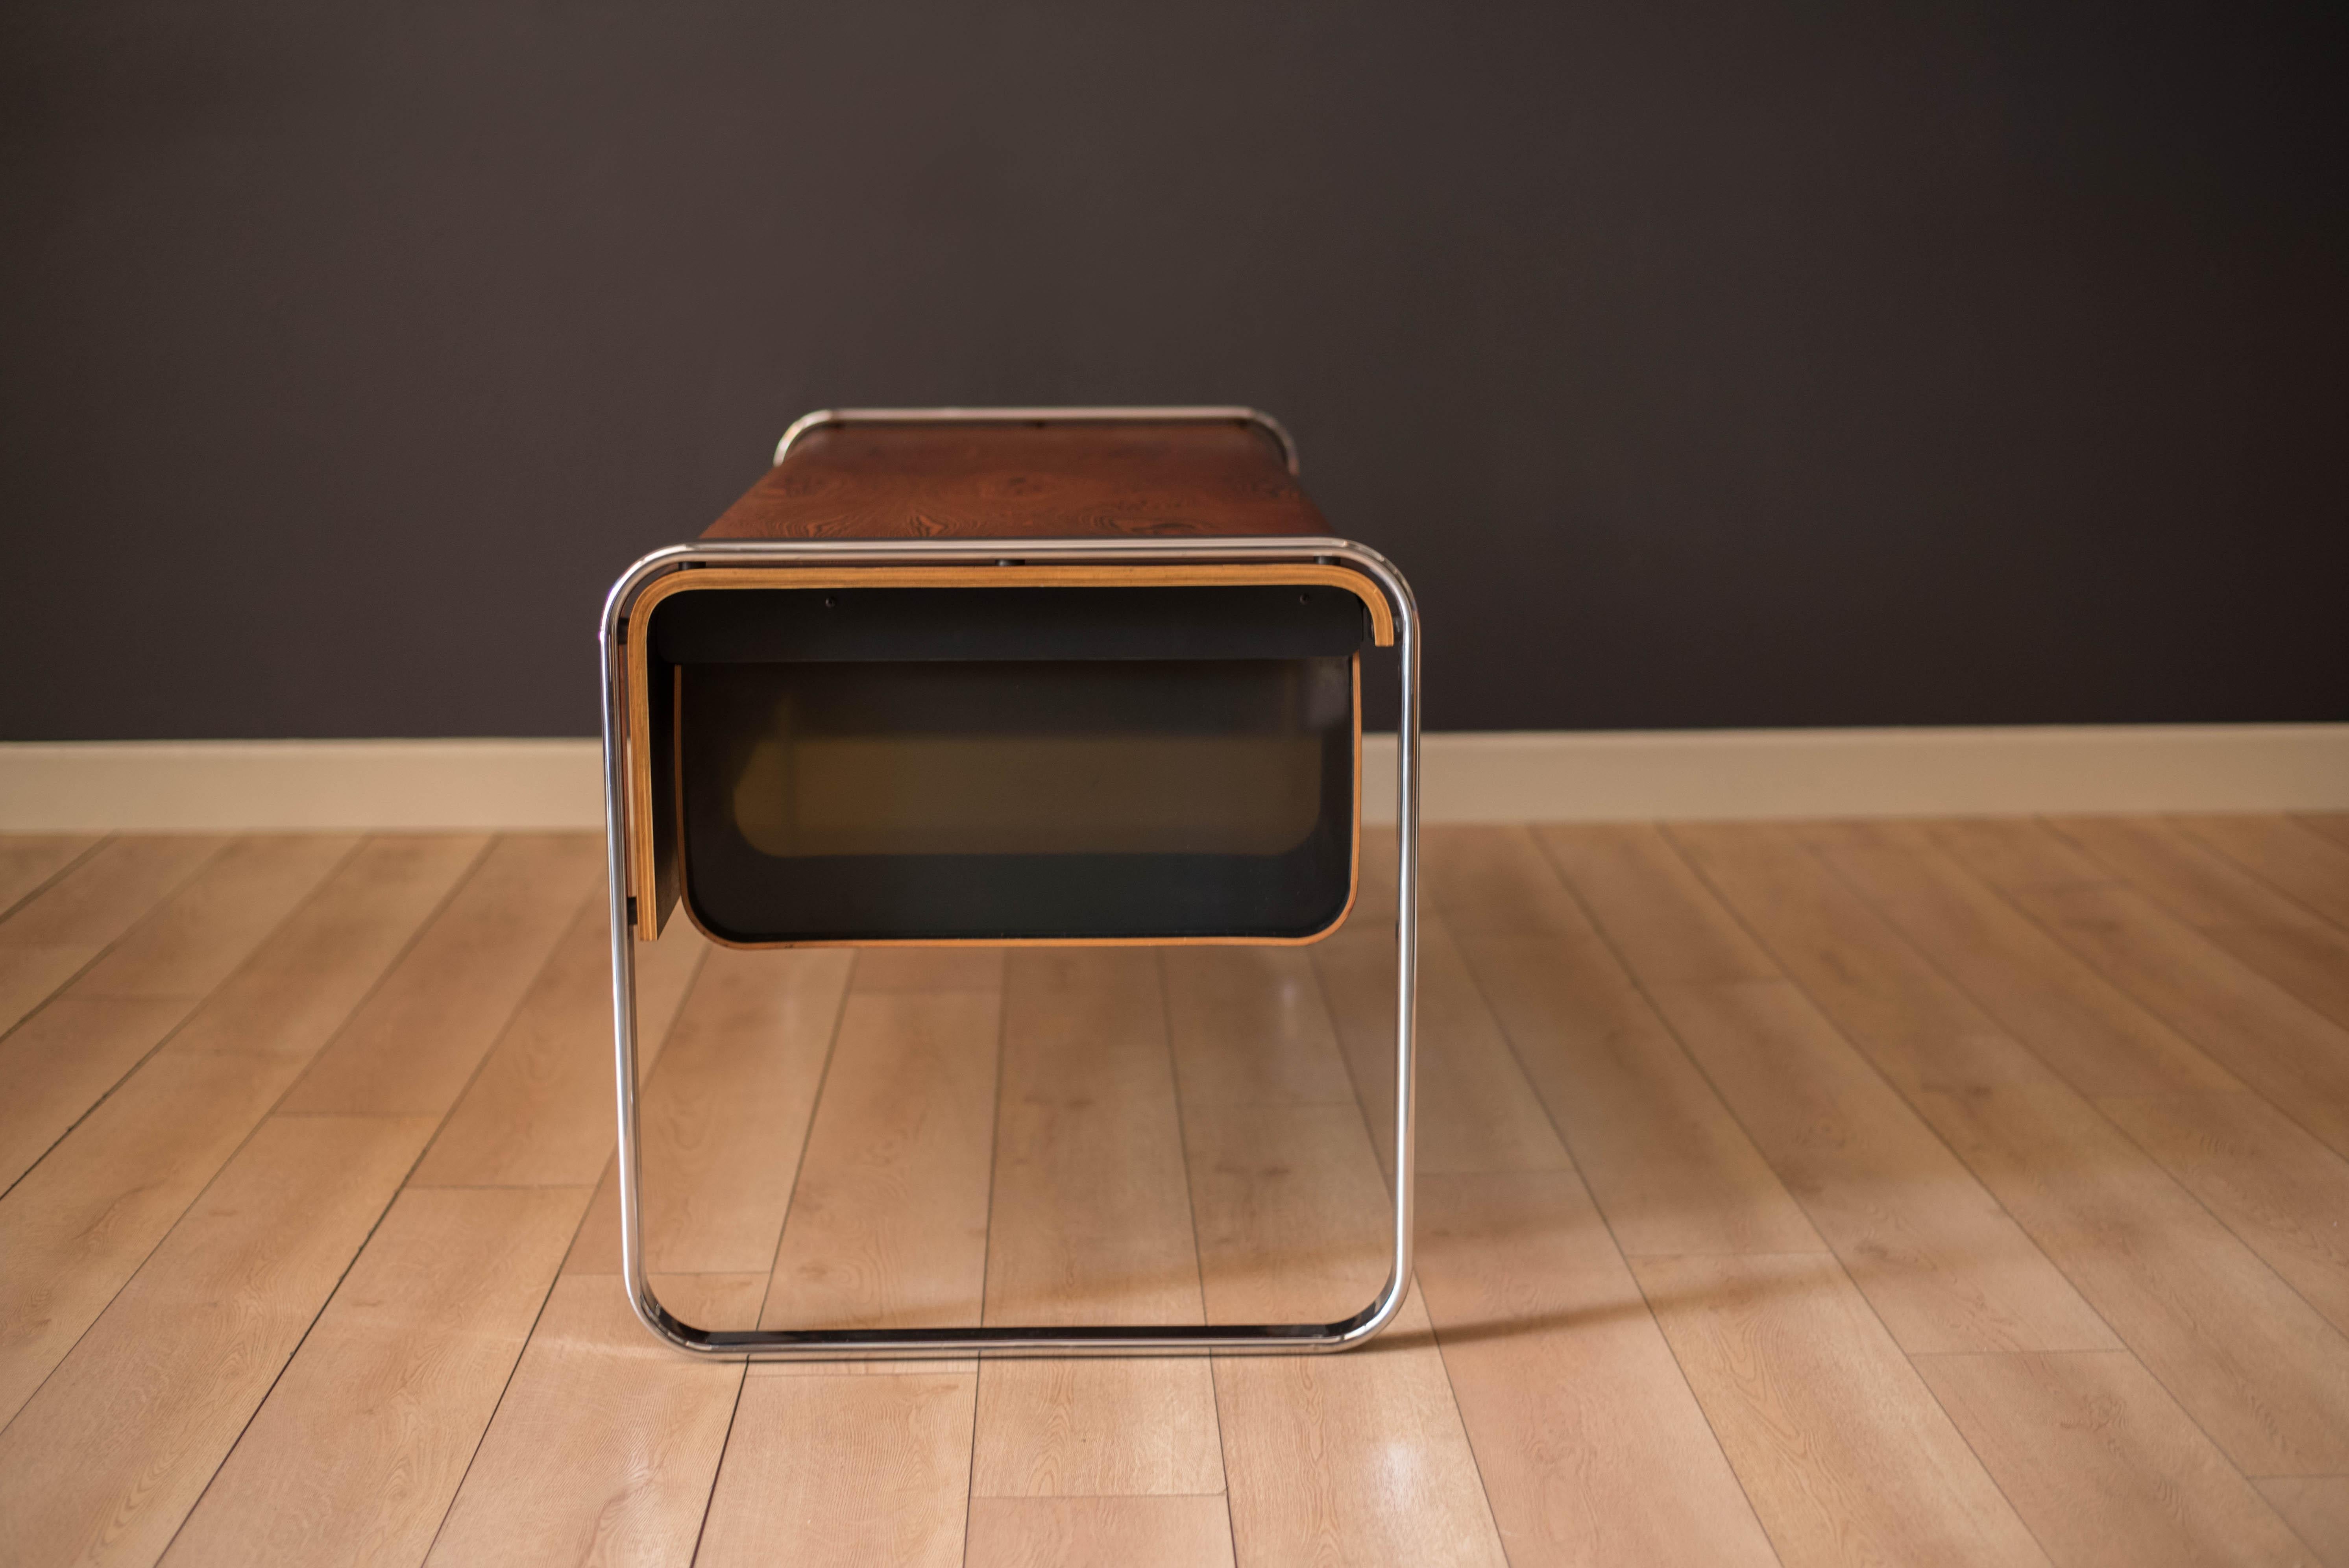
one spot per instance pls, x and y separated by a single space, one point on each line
1915 1194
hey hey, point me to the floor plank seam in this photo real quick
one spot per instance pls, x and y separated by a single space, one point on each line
2153 896
521 1350
1183 1142
99 957
1508 1038
1345 1061
195 1006
2173 1025
325 1302
414 937
433 916
58 875
702 1530
1640 984
986 1248
1951 980
497 1039
259 1122
1868 1060
807 1135
2257 875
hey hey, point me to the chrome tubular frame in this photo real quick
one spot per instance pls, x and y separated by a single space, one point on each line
1106 1340
1171 415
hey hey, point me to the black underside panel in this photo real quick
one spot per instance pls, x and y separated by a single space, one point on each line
1027 798
798 626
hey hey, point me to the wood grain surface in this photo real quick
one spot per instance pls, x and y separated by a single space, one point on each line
355 1455
2157 1493
1025 479
844 1472
605 1442
1924 1192
1091 1223
1844 1451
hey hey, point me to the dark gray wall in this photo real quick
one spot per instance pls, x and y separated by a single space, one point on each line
1704 364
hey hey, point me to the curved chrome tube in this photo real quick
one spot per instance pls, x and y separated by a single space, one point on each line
1111 1340
822 417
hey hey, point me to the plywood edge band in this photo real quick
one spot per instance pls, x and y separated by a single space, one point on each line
1302 574
643 854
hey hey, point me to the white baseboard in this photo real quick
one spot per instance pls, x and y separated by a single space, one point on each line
1536 775
1754 774
174 786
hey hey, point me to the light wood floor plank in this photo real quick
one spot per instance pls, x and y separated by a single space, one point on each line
306 980
1783 1072
844 1472
724 1113
2152 944
2102 1465
1293 1218
540 1112
1656 914
2305 954
1249 1028
2284 1194
607 1441
1086 1531
1572 1402
2188 878
1918 1029
30 862
1570 1398
107 893
1944 1266
930 969
2266 1376
2251 1360
1358 1458
65 1058
357 1452
2093 1033
1669 1166
2250 1025
2005 852
2332 825
2317 1508
888 1223
1845 1454
103 1464
60 931
62 1060
1489 880
1091 1224
194 938
30 975
1476 1111
77 1226
2307 865
411 1049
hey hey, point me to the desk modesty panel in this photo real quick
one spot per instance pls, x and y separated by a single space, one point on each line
1004 751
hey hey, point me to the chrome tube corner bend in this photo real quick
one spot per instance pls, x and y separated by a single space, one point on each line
1173 414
